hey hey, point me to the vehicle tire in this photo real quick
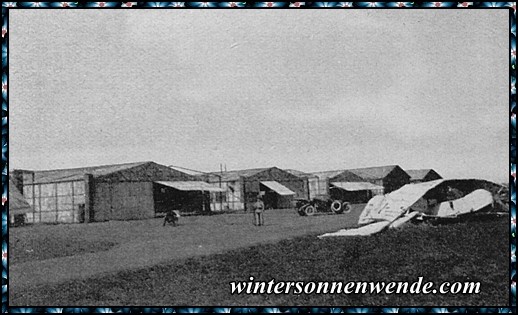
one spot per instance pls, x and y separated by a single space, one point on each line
346 207
301 210
310 210
336 206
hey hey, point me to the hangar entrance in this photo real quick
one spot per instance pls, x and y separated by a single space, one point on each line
353 192
185 196
276 195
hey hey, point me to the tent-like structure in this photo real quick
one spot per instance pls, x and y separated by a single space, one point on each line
391 177
17 204
325 179
96 193
355 186
312 181
423 175
278 187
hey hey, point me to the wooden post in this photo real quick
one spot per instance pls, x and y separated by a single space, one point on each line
89 200
244 195
202 201
56 196
34 200
309 190
39 198
73 210
220 197
233 195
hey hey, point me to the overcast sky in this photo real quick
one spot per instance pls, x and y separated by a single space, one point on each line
311 90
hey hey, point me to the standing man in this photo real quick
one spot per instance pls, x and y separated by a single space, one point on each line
258 211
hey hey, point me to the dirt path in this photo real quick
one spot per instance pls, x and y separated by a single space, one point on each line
195 236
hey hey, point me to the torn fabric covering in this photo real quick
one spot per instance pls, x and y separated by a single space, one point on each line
473 202
364 230
422 199
404 219
390 206
373 228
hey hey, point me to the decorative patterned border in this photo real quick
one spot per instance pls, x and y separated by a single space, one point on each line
135 5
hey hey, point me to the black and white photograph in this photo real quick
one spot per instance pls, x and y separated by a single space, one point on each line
258 158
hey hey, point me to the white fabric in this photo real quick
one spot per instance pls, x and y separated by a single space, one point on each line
388 207
364 230
473 202
278 188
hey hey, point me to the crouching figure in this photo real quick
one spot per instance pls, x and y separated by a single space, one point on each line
171 217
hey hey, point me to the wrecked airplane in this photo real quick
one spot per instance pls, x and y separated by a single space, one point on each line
435 199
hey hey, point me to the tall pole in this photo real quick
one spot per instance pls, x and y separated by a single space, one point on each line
220 193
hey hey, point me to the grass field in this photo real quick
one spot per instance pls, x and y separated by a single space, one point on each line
45 254
474 251
43 242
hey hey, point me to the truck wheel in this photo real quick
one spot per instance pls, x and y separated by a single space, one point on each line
346 207
336 206
310 210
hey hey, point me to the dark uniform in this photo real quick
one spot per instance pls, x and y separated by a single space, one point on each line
259 212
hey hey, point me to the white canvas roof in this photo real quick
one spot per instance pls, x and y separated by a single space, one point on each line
356 186
192 186
278 188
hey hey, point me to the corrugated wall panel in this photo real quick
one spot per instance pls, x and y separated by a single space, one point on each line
64 189
102 202
79 188
123 201
65 217
30 217
27 191
323 188
47 217
47 190
65 202
79 199
55 202
234 195
48 204
313 187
